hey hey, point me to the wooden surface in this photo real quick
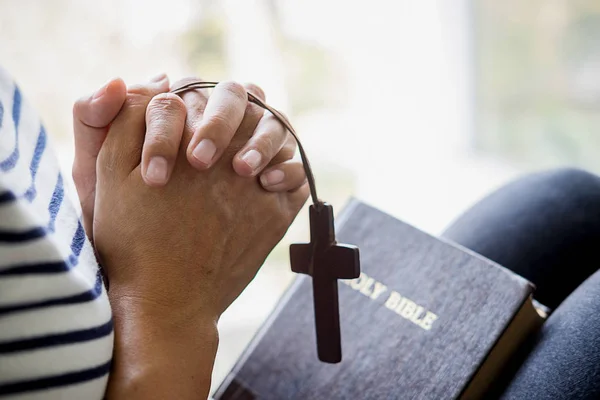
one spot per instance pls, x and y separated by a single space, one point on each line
387 354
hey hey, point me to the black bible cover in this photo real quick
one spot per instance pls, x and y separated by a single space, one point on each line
427 319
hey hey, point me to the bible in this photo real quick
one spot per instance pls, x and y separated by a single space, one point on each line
426 319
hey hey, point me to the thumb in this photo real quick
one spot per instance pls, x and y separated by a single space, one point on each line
92 116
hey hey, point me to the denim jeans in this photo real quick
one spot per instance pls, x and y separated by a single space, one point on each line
546 228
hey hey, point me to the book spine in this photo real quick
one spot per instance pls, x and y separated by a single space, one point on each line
231 386
232 389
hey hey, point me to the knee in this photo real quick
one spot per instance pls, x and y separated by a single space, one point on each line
569 176
574 187
535 204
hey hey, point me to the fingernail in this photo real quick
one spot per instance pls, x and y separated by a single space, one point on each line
252 158
159 78
157 170
272 177
205 151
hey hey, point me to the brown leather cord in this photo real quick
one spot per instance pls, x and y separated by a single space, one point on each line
322 258
280 117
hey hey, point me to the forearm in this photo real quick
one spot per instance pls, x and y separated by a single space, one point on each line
161 355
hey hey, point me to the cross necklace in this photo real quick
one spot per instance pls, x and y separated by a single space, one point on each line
323 258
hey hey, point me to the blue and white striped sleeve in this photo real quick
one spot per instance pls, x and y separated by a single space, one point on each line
56 333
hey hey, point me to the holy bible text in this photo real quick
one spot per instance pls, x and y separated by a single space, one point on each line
426 319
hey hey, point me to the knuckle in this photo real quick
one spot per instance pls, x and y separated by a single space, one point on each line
235 89
255 90
218 121
166 102
266 144
139 90
254 111
161 141
185 81
277 124
158 139
136 101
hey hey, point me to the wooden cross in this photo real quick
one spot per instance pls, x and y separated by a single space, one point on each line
326 261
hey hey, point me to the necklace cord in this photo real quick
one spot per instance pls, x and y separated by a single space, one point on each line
281 118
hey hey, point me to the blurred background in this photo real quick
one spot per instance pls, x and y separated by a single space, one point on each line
417 107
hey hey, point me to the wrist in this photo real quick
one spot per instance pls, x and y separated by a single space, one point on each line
162 298
155 349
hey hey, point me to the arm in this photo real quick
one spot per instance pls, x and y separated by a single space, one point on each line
177 255
55 318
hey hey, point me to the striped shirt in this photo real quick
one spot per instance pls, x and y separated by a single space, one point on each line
56 333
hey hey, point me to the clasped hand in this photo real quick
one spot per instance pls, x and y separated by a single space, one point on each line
170 196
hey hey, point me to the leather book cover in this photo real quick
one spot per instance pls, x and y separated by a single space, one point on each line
417 324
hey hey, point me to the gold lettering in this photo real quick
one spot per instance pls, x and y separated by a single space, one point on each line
408 310
358 282
378 290
401 305
417 314
428 320
366 289
393 300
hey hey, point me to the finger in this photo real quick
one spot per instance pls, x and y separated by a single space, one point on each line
223 114
287 176
268 139
158 84
165 121
256 91
253 114
248 162
182 82
91 118
122 148
288 150
195 101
